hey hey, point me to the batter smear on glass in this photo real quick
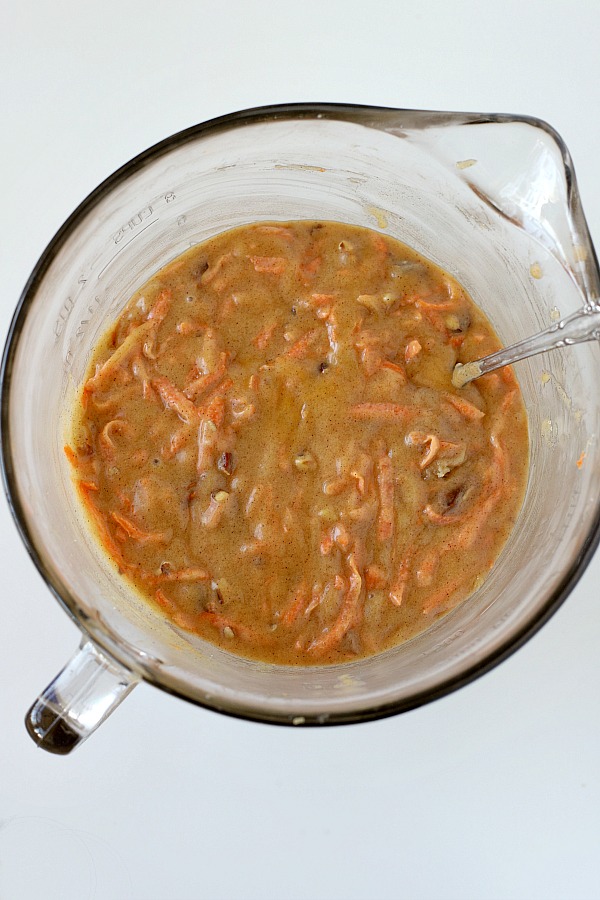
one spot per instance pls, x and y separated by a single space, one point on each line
270 448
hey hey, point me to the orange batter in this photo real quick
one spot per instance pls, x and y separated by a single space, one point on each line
270 447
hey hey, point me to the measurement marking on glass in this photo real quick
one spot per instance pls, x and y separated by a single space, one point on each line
122 247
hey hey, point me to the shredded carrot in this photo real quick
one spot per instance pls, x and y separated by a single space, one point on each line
227 307
301 348
427 568
205 382
385 480
177 440
88 486
335 486
263 338
208 276
380 245
215 411
190 574
508 400
175 399
447 518
283 459
273 265
398 586
347 616
140 371
362 471
71 455
255 547
475 522
374 577
371 359
394 367
308 268
86 393
109 369
326 544
136 534
312 266
474 518
116 426
316 599
103 530
125 501
84 488
299 602
186 327
159 311
164 601
207 438
467 409
508 376
421 303
580 460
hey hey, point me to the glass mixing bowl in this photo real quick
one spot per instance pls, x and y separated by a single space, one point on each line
491 199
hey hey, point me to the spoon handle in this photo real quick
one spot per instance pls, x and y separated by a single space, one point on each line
581 326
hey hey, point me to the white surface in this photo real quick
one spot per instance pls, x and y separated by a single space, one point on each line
493 792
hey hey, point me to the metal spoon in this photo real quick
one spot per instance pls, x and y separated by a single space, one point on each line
577 328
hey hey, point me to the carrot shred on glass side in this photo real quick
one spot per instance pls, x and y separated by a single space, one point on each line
89 486
71 455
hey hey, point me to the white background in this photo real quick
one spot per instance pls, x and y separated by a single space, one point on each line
493 792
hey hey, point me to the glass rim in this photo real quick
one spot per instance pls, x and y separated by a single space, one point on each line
110 642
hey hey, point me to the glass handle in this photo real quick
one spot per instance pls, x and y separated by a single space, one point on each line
79 699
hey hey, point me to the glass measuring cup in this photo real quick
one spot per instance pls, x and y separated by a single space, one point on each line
491 199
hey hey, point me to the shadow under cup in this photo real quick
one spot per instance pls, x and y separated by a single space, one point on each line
493 201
